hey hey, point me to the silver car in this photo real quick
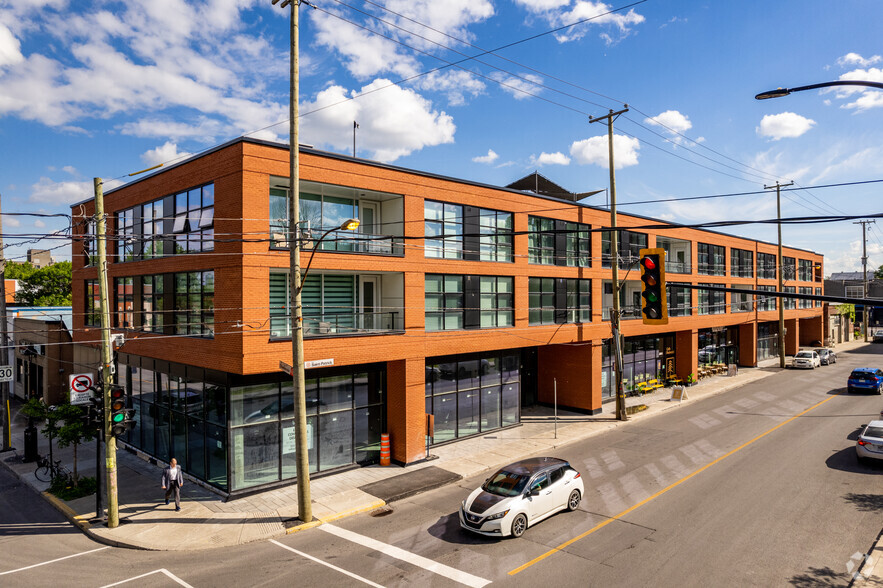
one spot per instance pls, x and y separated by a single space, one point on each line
870 442
806 359
520 495
826 356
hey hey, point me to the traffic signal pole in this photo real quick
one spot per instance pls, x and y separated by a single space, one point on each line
107 367
621 414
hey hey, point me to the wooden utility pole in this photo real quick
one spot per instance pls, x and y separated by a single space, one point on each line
865 313
4 395
614 256
781 301
107 366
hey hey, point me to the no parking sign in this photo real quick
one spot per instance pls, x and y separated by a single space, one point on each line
80 388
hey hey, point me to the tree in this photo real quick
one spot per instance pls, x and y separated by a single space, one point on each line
878 274
64 422
19 270
48 286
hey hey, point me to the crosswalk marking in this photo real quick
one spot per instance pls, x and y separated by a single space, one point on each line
593 468
706 447
612 460
694 454
725 411
633 487
765 396
704 421
610 497
746 403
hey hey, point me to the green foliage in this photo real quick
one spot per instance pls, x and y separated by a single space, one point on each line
848 309
19 270
64 423
65 488
48 286
878 273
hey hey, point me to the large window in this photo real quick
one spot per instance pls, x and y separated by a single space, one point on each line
803 302
679 300
677 255
93 304
804 270
766 302
90 242
818 293
559 300
124 318
495 240
194 312
152 303
468 302
469 395
126 235
443 224
557 242
740 302
789 268
712 301
629 244
741 263
444 302
712 260
766 266
153 229
790 303
194 219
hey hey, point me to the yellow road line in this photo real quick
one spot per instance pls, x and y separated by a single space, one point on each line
606 522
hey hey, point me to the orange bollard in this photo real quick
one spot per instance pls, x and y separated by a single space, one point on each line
384 449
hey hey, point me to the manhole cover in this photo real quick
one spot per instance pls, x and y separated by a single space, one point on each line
382 511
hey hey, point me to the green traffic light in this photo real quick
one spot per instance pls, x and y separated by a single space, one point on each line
118 418
651 296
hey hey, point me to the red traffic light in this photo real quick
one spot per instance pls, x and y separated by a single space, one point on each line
648 263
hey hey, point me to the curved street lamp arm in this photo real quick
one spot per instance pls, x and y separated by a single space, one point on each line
779 92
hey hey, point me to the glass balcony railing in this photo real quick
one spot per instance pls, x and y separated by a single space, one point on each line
333 324
340 241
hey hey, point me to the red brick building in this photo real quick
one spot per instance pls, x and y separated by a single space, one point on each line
454 298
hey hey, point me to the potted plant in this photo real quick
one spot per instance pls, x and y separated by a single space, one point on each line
691 379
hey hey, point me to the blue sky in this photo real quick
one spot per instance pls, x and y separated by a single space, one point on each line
105 88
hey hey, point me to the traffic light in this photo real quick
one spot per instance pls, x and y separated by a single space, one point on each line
121 418
654 307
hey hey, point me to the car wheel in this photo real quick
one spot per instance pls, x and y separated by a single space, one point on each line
573 500
879 390
848 390
519 525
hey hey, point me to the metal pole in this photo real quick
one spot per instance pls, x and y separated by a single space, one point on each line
865 314
781 301
304 506
355 126
614 254
107 367
98 476
4 386
555 382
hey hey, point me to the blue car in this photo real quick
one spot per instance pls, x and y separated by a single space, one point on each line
865 380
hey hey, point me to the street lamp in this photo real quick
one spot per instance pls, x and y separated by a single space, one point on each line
350 224
779 92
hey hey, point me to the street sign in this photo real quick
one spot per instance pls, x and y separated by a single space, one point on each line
80 388
6 373
318 363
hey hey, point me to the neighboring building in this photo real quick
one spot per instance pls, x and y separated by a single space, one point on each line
458 299
43 352
9 289
40 258
851 285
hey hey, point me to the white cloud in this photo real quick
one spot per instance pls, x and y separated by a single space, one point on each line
450 17
392 123
556 158
866 101
39 224
560 13
166 153
10 48
455 84
489 158
203 128
839 161
786 124
594 150
47 190
70 170
521 87
672 121
851 59
11 221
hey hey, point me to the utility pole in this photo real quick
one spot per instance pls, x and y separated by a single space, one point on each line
355 126
864 225
302 463
4 395
781 301
107 367
614 255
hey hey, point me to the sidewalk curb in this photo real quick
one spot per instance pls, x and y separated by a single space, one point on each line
67 511
336 517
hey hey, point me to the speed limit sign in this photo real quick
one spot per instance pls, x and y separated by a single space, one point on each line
6 373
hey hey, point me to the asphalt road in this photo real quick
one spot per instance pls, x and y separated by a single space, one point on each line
758 486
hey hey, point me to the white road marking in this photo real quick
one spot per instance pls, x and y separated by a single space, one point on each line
694 454
725 411
764 396
611 497
656 473
746 403
159 571
708 448
593 468
704 421
54 560
633 487
612 460
674 465
325 563
406 556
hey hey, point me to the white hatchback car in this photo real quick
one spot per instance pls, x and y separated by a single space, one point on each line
870 442
806 359
520 495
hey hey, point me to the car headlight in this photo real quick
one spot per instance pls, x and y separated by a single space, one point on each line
463 505
499 515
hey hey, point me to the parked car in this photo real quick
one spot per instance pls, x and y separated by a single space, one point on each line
806 359
865 379
826 356
878 337
521 495
870 442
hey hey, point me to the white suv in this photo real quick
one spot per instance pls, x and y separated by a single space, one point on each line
806 359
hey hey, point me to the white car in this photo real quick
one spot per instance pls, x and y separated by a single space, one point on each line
870 442
806 359
520 495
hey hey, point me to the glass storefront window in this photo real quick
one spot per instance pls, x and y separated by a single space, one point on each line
255 455
254 404
289 447
335 439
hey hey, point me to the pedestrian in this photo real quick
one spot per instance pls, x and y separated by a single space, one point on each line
172 480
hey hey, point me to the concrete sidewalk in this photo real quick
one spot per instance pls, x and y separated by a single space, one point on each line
207 521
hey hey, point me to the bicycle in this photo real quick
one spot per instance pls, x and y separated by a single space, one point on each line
48 471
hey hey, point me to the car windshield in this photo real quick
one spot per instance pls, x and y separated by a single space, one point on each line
505 483
804 354
873 432
860 376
